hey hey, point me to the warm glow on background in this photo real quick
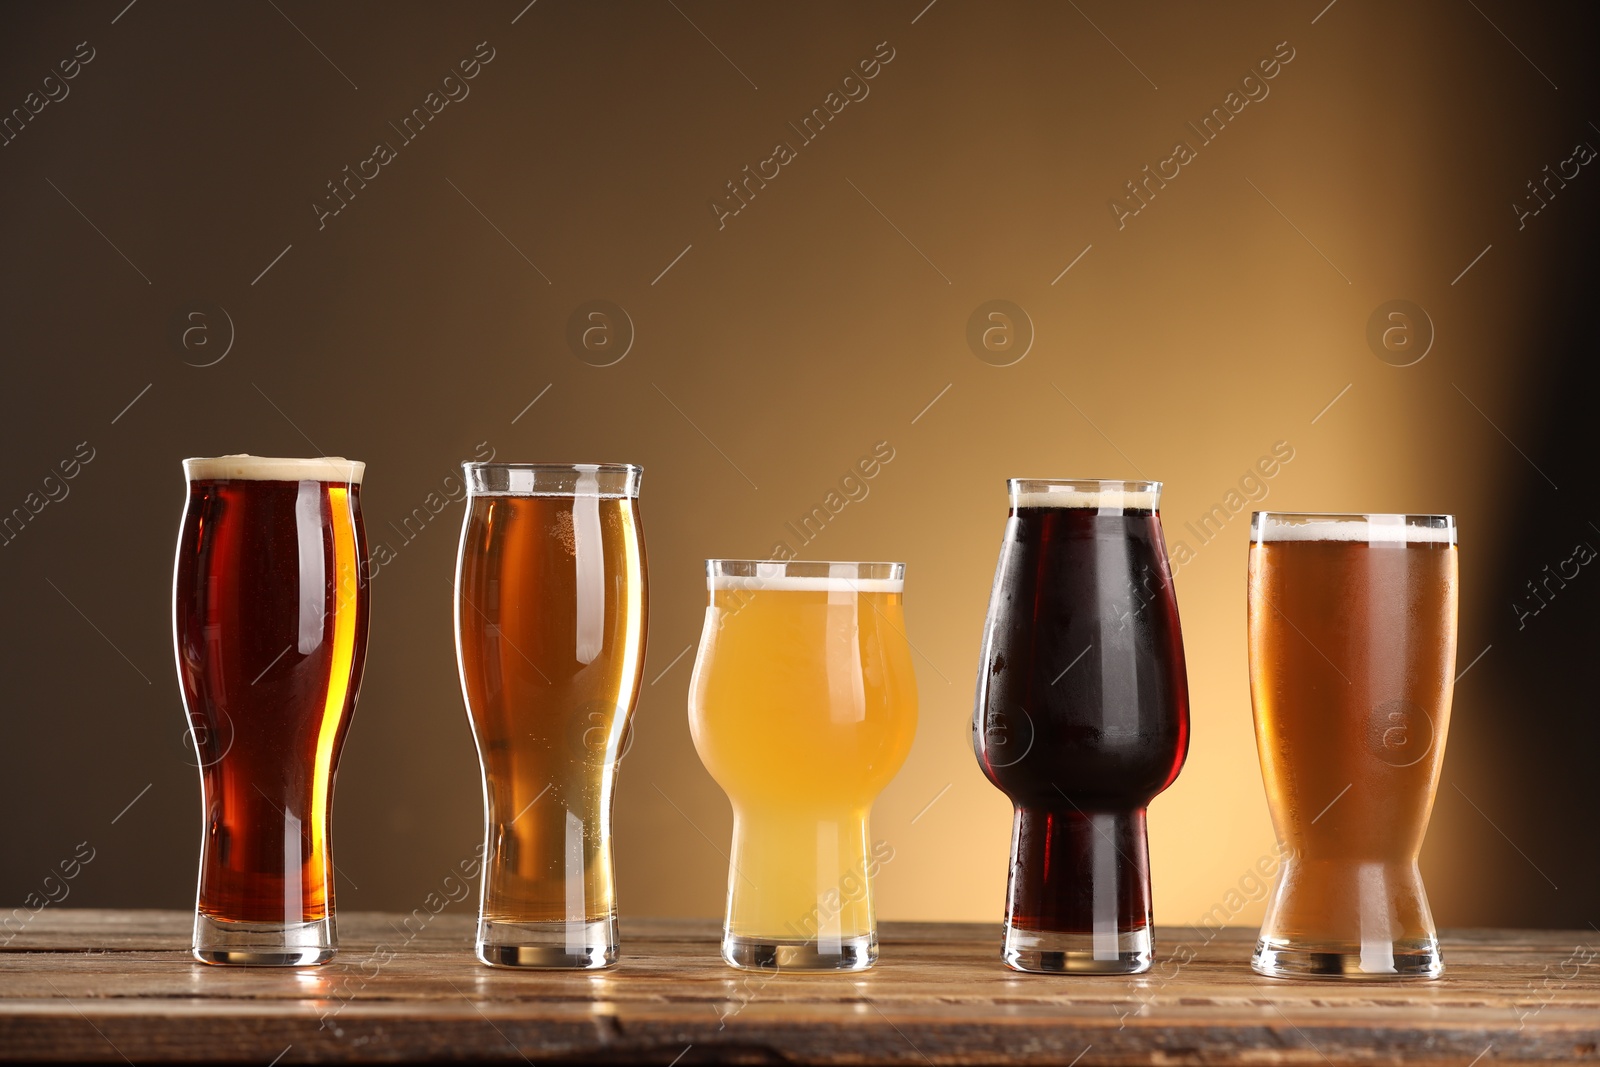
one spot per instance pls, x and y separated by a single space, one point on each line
1196 315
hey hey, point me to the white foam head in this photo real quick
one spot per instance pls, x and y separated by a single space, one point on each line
1371 529
1101 496
267 469
808 585
841 578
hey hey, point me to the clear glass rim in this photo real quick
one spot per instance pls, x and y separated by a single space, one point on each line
1376 526
609 468
806 575
1102 494
804 568
553 479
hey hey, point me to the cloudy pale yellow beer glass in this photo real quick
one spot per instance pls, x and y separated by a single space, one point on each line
1352 664
803 705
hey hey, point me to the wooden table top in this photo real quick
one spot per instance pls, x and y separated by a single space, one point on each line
118 986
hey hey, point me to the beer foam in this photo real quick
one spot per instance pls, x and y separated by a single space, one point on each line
244 467
1373 529
788 584
842 578
1104 499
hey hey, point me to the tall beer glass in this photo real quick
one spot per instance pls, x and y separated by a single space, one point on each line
1081 717
1352 663
803 706
550 629
269 619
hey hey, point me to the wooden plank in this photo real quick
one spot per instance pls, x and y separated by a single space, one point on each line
108 986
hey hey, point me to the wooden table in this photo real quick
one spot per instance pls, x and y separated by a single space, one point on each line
115 986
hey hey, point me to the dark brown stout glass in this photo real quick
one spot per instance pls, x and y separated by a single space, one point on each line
270 607
1081 717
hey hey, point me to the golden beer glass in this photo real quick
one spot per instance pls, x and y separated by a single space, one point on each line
550 633
1352 665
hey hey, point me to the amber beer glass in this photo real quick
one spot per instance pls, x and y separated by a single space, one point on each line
1081 717
1352 664
550 630
270 623
803 705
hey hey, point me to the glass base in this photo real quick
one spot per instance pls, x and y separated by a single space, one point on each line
243 944
768 954
1384 960
551 946
1049 952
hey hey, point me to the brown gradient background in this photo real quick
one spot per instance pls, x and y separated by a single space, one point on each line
786 345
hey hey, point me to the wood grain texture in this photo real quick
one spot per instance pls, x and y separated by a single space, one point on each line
119 985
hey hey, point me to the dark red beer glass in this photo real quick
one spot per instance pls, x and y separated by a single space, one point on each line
1081 717
270 623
